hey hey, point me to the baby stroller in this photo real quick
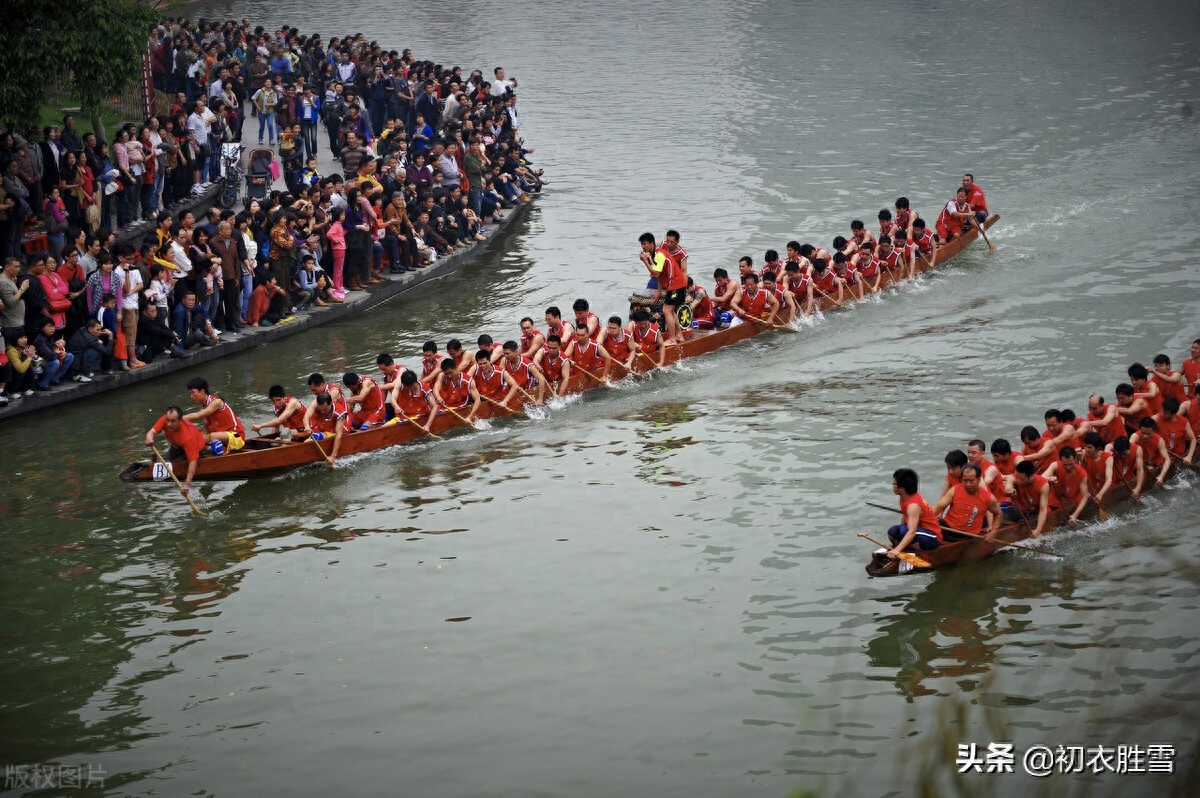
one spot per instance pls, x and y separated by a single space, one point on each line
262 172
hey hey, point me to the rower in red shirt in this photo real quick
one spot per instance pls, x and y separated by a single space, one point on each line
1155 453
886 226
317 386
890 259
453 390
489 383
920 525
526 377
785 306
825 282
955 460
799 285
968 506
1170 383
464 359
412 400
905 216
859 235
532 339
648 340
1105 419
1031 496
1098 465
186 439
619 344
1004 464
845 271
323 420
585 318
556 326
222 425
1145 388
870 270
554 365
289 415
1191 371
1175 431
366 394
493 348
1131 408
704 312
1128 464
724 290
752 302
952 217
1070 483
591 358
975 197
925 244
389 373
430 364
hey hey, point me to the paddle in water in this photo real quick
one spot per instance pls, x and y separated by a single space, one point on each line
171 471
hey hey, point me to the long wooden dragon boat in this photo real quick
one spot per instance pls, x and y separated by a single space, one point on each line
969 550
270 458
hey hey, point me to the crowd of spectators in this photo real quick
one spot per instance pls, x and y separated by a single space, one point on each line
428 158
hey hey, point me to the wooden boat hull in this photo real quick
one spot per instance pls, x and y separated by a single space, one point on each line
262 459
960 552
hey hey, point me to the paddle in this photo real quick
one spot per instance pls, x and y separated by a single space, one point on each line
590 374
413 419
1182 462
503 406
175 479
982 232
836 303
772 325
911 559
1038 549
1136 499
450 410
324 456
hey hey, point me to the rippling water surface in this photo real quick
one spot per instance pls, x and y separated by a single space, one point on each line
656 588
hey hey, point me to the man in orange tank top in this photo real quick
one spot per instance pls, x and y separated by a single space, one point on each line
1145 388
1099 467
1036 449
1175 430
1155 454
920 525
1128 464
955 460
224 428
532 339
619 343
1004 462
1070 483
1170 383
976 198
289 415
363 392
324 420
1131 408
1031 495
589 356
1191 371
1105 419
968 507
413 401
554 365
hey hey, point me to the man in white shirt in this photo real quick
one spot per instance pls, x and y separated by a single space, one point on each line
198 124
179 242
500 85
134 285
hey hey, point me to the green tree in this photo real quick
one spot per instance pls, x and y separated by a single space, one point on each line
96 44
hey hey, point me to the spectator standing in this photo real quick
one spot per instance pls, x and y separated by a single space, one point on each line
12 315
265 101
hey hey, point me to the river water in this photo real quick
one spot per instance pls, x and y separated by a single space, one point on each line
657 588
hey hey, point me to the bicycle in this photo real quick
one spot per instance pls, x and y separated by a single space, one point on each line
231 175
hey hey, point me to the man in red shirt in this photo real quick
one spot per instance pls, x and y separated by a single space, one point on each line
186 440
975 197
675 274
1191 371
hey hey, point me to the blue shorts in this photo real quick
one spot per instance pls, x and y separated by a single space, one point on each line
924 539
